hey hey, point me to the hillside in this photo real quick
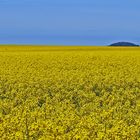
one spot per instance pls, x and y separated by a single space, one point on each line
123 44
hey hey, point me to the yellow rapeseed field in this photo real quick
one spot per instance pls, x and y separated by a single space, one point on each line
69 93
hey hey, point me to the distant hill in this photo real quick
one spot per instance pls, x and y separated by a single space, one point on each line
123 44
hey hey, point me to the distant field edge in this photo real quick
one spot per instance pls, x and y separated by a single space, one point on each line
16 47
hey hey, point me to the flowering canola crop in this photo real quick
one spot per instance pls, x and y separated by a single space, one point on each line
69 93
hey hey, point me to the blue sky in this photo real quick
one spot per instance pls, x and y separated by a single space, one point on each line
69 22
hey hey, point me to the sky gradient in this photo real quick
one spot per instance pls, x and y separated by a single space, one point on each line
69 22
